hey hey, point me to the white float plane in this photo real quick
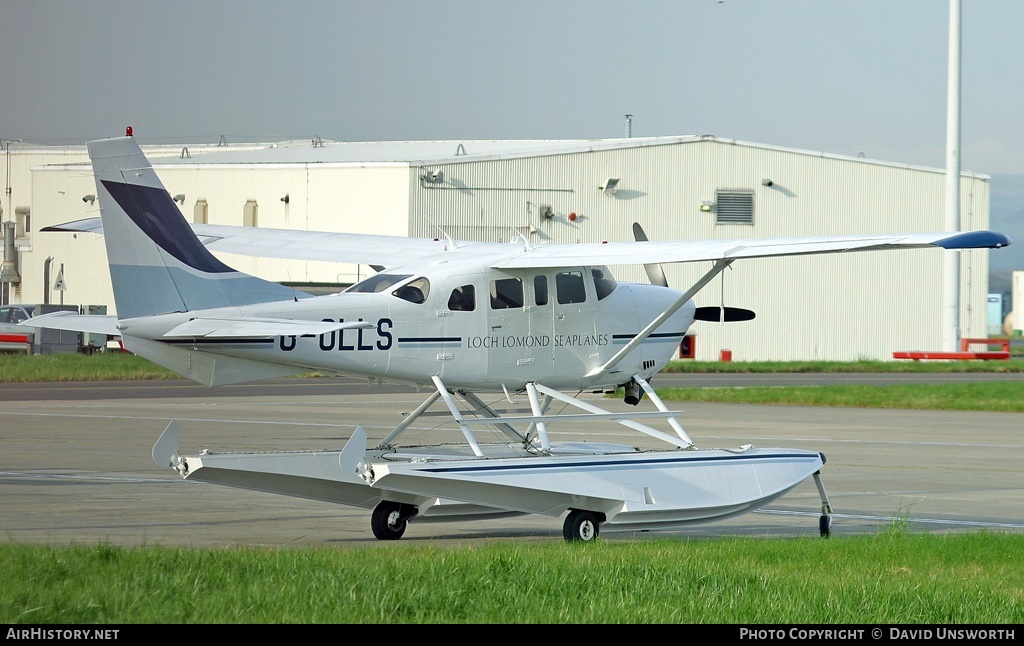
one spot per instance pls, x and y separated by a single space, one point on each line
460 318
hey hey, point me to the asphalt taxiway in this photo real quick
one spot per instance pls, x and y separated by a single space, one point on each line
76 465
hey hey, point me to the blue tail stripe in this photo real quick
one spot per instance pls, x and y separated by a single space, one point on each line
155 214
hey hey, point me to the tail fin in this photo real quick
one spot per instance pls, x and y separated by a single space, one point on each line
157 264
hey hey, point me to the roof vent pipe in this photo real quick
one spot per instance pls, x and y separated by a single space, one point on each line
629 126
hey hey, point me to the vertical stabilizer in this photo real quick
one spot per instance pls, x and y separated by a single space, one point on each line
157 264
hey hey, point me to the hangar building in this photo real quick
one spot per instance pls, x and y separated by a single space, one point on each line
830 307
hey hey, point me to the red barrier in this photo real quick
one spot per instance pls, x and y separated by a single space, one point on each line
965 344
954 356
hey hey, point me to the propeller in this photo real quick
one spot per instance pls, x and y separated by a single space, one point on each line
720 314
654 271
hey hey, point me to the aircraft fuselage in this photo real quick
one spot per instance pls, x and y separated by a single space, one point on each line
471 326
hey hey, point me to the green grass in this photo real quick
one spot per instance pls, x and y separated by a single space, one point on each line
842 366
102 366
124 366
893 577
1005 397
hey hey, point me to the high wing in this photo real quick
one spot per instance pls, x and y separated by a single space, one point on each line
628 253
294 244
394 250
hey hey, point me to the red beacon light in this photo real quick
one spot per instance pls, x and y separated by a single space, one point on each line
128 131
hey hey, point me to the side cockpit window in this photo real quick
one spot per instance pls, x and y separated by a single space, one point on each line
463 299
569 287
415 291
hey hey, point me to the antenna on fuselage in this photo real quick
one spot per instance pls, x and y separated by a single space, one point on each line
444 234
526 243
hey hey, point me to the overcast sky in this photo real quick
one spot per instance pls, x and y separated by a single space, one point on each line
839 76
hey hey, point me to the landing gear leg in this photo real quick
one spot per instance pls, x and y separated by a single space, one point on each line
390 519
825 521
581 526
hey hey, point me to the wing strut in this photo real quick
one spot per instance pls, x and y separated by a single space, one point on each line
720 266
542 427
393 435
450 402
662 407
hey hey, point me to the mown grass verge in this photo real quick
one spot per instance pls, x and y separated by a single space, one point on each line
1013 365
994 396
102 366
893 577
124 366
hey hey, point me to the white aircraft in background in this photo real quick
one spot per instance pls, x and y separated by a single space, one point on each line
461 319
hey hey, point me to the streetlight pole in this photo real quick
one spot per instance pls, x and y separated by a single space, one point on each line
951 268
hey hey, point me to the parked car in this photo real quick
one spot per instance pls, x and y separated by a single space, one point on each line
14 337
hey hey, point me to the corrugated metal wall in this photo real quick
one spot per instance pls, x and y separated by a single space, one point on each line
863 305
839 307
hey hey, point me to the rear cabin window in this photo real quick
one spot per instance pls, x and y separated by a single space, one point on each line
569 287
540 290
463 299
506 293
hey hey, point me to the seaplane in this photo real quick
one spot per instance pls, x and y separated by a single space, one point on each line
503 337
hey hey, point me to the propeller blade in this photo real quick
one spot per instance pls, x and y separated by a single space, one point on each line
714 314
655 273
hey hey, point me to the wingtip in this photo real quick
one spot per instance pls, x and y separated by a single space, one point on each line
976 240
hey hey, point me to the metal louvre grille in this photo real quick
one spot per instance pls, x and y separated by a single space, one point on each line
734 207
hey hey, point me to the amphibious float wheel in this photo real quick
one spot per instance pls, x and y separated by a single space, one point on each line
580 525
825 525
389 520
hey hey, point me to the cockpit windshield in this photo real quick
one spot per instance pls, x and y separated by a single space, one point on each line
604 284
377 283
415 291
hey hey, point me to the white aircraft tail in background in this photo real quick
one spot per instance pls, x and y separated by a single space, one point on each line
509 319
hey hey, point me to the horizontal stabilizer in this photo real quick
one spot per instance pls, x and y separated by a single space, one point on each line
90 323
87 225
258 327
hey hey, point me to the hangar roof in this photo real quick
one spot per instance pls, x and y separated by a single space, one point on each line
408 152
411 153
425 152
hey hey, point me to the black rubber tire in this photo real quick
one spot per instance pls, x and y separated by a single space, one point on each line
388 520
581 526
825 525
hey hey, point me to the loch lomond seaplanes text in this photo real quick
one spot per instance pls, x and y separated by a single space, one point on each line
537 340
